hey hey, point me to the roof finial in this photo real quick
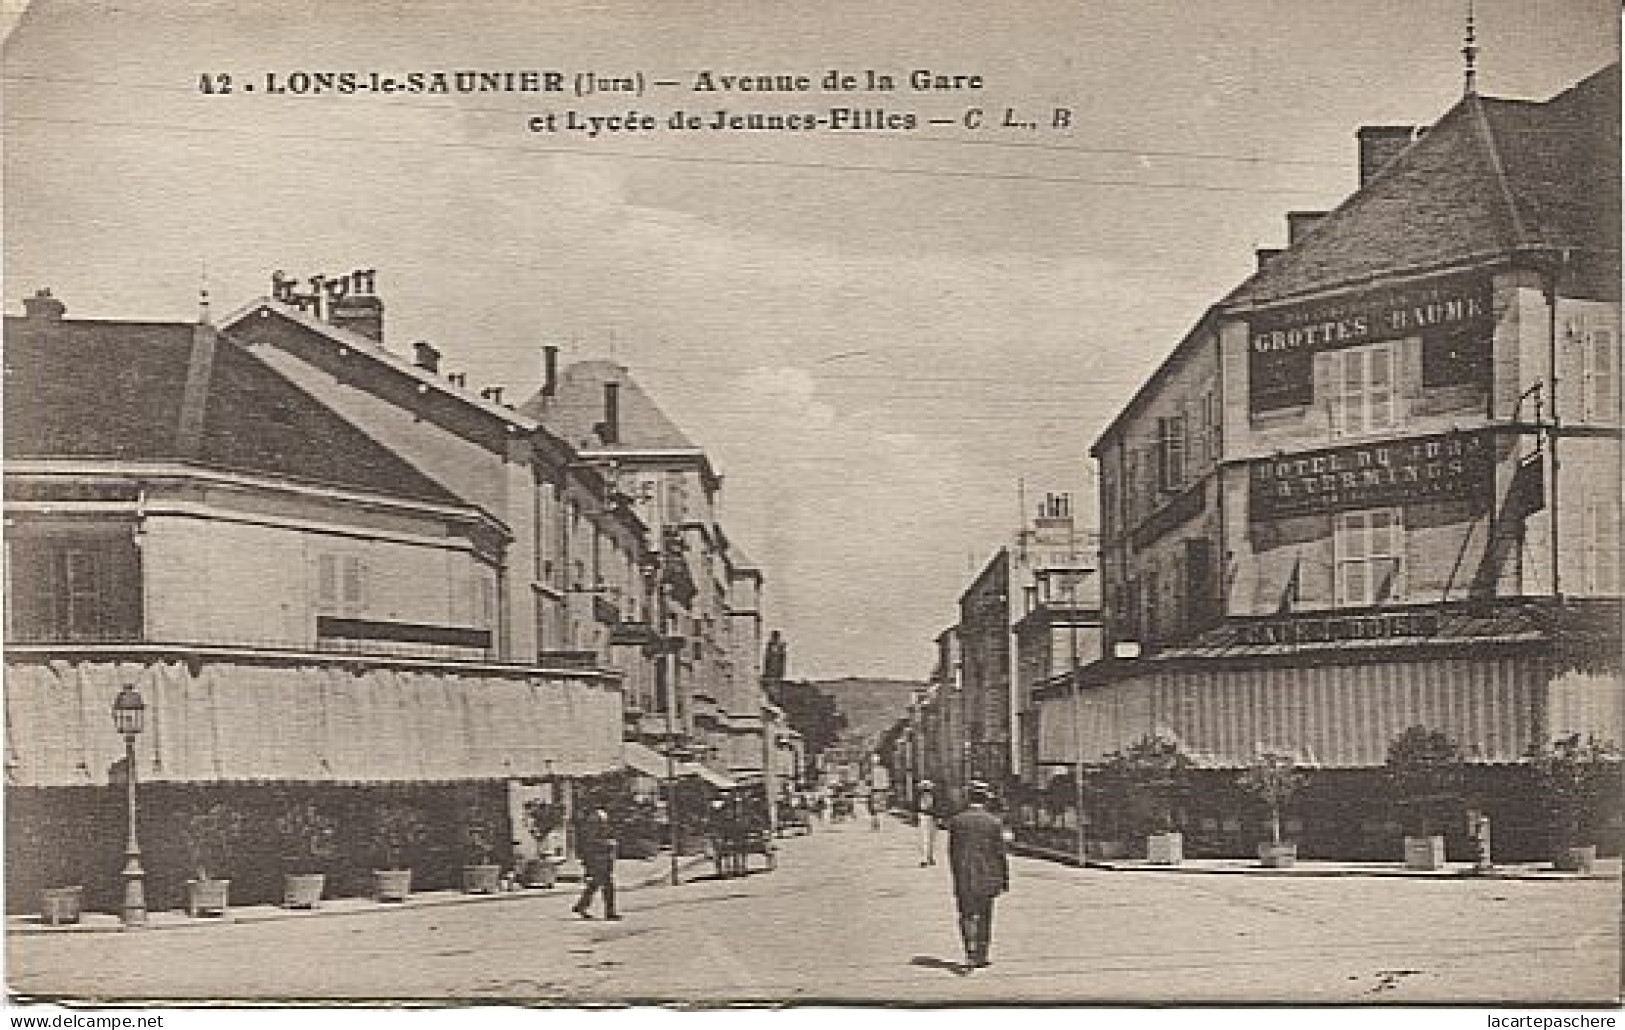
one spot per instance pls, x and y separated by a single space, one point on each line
1469 51
203 294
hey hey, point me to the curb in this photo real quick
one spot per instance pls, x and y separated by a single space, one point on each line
1460 871
101 922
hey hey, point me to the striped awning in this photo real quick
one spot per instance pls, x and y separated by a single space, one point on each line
644 759
228 719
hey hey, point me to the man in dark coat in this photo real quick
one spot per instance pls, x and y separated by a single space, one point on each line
976 855
596 846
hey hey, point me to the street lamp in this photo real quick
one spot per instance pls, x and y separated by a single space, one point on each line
129 713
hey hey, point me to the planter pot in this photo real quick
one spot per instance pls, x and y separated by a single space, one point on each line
207 897
391 884
1577 860
1424 852
482 879
1165 848
61 905
539 872
302 890
1277 856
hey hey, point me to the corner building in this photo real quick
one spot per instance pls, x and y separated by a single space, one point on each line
1378 486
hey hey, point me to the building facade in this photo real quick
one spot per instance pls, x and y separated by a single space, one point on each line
1377 486
312 616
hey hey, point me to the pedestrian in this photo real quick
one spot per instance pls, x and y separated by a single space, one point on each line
926 807
976 856
874 801
595 843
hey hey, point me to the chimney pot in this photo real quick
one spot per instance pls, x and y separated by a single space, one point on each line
426 356
1300 223
359 313
43 307
457 379
550 370
611 432
492 394
1379 145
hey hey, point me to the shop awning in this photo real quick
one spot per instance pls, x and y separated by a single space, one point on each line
644 759
709 775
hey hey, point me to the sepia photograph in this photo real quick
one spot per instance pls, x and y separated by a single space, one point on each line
897 504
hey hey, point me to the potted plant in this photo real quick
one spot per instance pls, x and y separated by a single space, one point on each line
211 835
480 874
544 819
1273 779
61 905
1572 773
1424 769
306 836
1155 771
398 829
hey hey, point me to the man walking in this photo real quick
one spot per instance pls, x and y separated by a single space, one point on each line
976 855
596 846
926 807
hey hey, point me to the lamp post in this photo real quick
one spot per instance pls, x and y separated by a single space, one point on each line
128 715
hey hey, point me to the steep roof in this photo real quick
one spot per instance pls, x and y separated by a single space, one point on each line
114 390
577 408
1492 177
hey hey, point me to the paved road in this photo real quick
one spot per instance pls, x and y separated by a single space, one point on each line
850 915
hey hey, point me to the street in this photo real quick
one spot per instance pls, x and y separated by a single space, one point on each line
850 915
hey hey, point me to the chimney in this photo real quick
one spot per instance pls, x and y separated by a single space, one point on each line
610 431
1265 255
550 371
1300 223
42 307
363 313
426 356
1379 145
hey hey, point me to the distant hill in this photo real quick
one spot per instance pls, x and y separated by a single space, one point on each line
870 706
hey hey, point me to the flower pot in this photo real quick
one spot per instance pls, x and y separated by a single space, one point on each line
1577 859
482 879
1165 848
302 890
207 897
391 884
538 872
1277 856
1425 853
61 905
1109 849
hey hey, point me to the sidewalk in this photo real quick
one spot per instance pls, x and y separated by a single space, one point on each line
630 875
1606 868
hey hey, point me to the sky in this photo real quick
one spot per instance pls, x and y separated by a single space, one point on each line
881 338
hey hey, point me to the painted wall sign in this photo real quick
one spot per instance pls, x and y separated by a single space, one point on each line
1397 472
1317 629
1282 343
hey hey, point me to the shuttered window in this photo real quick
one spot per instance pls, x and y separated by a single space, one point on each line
1601 376
1370 548
1363 394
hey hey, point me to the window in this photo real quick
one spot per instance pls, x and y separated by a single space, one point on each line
341 583
1171 452
1600 372
1362 394
1370 557
79 587
1212 427
1602 543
